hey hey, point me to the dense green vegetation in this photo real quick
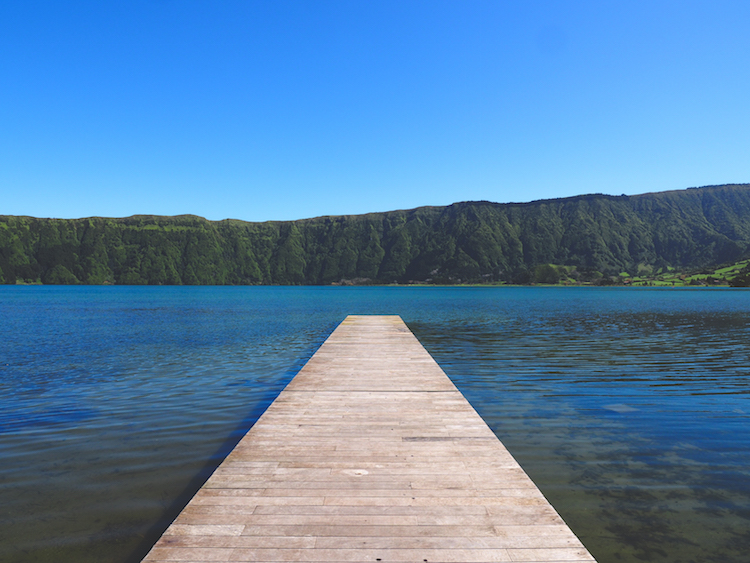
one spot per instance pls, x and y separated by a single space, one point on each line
584 239
736 274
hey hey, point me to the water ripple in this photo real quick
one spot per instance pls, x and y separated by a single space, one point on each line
629 408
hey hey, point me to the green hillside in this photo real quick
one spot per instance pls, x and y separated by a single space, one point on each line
593 236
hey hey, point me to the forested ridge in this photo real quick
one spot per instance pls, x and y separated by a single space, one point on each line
466 242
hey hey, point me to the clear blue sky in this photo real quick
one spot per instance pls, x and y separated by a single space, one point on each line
277 109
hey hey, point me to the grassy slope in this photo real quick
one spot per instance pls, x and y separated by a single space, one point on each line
595 238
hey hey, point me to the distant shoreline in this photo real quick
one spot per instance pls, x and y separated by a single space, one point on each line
660 238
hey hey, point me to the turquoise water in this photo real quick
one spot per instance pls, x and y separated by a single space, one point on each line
630 408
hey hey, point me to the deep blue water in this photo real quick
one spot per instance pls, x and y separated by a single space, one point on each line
630 408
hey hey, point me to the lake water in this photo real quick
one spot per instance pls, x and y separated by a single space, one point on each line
630 408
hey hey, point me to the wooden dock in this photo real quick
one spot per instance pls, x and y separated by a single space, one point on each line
370 454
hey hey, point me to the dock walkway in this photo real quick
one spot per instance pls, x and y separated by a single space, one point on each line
370 454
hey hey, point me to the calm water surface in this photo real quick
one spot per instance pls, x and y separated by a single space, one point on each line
628 407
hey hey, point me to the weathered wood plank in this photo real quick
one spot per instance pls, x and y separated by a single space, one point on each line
369 454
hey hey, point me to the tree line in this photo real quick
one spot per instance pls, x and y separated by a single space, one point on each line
470 242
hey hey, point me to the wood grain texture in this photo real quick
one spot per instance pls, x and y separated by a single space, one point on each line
370 454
